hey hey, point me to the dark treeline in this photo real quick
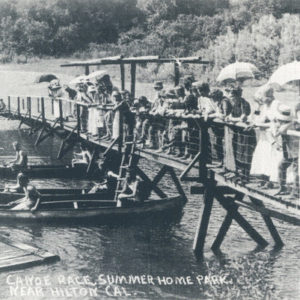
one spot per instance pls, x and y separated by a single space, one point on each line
223 30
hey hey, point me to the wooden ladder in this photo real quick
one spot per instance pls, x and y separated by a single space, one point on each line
126 163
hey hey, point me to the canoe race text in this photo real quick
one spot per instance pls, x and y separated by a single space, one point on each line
73 286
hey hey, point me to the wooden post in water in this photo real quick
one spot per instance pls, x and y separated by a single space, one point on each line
202 227
176 73
133 73
208 197
122 70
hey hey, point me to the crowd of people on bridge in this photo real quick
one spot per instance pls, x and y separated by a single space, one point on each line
170 124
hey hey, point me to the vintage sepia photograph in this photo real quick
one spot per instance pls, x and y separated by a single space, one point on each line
149 149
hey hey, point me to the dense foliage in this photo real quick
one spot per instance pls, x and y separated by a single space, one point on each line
261 31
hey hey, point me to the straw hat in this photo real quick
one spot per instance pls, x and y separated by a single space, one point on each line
54 84
283 113
92 88
217 94
158 85
264 93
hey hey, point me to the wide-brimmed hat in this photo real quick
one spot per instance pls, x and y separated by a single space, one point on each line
197 84
92 88
142 99
115 94
204 87
171 94
283 113
264 92
158 85
54 84
189 77
179 89
162 94
216 94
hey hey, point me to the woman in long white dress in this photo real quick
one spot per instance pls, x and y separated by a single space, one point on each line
265 156
117 100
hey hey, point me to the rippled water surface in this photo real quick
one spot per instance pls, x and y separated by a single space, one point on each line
154 247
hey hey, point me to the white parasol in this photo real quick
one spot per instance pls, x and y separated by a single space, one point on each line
286 73
238 71
78 79
97 75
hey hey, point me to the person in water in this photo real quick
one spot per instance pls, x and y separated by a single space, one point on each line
83 157
21 160
31 200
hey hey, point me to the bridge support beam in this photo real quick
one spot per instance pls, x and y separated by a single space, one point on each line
67 143
233 214
45 132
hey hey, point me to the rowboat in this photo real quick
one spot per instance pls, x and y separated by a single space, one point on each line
47 171
93 208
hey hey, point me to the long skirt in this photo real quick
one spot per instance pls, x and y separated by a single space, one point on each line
263 156
92 124
116 125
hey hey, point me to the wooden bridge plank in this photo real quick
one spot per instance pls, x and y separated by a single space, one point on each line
16 255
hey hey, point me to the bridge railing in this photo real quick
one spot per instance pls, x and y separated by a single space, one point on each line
248 155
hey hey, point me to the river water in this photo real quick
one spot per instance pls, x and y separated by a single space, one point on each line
158 251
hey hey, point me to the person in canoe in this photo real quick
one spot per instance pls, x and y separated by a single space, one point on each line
31 200
134 190
21 160
107 177
83 157
14 188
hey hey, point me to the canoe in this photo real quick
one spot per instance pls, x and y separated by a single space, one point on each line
56 194
47 171
54 209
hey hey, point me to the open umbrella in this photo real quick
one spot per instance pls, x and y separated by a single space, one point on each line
286 73
45 78
77 79
97 74
238 71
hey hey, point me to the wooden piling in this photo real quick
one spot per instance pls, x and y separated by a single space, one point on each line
232 210
202 227
270 225
222 232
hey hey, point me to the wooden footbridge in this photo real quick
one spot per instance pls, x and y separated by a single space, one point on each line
209 179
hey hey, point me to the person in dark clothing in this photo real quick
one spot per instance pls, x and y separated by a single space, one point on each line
244 141
190 134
